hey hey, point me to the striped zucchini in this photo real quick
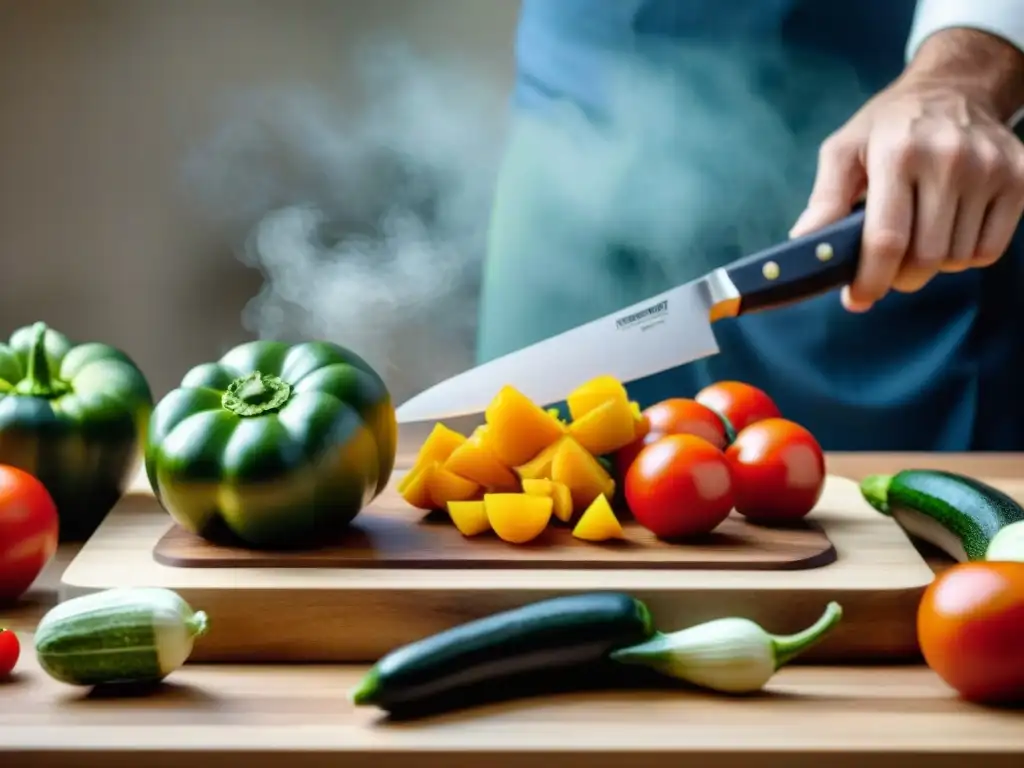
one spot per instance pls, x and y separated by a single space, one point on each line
136 635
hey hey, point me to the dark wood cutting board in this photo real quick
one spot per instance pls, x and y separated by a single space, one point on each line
391 534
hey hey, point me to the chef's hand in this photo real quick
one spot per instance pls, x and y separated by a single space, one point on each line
943 175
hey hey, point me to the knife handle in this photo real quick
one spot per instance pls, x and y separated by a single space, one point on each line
800 268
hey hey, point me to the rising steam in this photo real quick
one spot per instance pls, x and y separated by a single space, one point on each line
369 224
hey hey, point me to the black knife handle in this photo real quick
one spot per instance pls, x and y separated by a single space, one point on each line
800 268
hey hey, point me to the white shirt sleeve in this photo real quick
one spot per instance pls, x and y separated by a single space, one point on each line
1004 18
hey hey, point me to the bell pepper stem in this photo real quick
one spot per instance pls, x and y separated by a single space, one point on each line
38 382
788 647
255 394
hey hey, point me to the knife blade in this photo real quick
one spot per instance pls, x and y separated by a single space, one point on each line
660 333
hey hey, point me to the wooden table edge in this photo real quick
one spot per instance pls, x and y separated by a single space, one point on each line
56 752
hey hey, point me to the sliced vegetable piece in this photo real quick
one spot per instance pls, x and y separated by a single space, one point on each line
518 517
1008 544
641 424
539 467
446 486
415 486
475 460
555 413
538 487
439 445
731 655
557 492
594 394
598 522
469 517
606 428
519 429
562 498
576 468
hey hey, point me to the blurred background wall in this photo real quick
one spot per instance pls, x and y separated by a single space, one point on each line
177 177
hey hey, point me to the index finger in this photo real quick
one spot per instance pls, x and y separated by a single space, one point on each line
888 224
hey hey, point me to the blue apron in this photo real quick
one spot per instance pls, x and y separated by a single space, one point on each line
657 139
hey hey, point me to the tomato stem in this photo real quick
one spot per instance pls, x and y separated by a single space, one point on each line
730 430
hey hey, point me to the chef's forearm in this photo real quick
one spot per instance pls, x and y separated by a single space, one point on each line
978 45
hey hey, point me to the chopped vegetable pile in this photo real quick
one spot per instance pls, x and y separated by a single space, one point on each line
526 468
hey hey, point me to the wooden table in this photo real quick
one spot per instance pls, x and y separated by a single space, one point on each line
229 716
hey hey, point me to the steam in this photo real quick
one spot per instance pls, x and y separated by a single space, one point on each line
369 224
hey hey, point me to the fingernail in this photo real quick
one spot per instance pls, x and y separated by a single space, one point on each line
799 227
852 305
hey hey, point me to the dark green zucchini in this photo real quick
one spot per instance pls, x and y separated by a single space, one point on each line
546 637
957 514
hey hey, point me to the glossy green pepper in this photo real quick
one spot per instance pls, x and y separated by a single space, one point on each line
74 416
274 445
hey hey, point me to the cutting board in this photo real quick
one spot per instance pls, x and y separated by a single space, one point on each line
303 612
391 534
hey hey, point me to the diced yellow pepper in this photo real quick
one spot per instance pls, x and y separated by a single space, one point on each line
598 522
606 428
518 517
576 468
469 517
446 486
519 429
475 460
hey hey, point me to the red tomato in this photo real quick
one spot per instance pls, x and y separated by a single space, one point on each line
970 623
778 470
679 486
10 649
675 416
742 404
28 531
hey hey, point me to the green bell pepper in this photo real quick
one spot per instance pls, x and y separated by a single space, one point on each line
274 445
74 416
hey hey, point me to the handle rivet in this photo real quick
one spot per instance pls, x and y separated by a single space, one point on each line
824 251
770 270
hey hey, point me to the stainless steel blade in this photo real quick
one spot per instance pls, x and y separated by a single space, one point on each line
660 333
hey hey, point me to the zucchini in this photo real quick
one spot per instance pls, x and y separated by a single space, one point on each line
136 635
531 642
957 514
1007 544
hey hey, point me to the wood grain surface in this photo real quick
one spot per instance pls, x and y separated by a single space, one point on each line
391 534
264 614
257 716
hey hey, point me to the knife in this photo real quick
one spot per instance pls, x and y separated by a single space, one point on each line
663 332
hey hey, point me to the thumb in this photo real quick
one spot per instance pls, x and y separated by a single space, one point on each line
840 180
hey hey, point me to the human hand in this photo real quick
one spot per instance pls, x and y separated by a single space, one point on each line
943 177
